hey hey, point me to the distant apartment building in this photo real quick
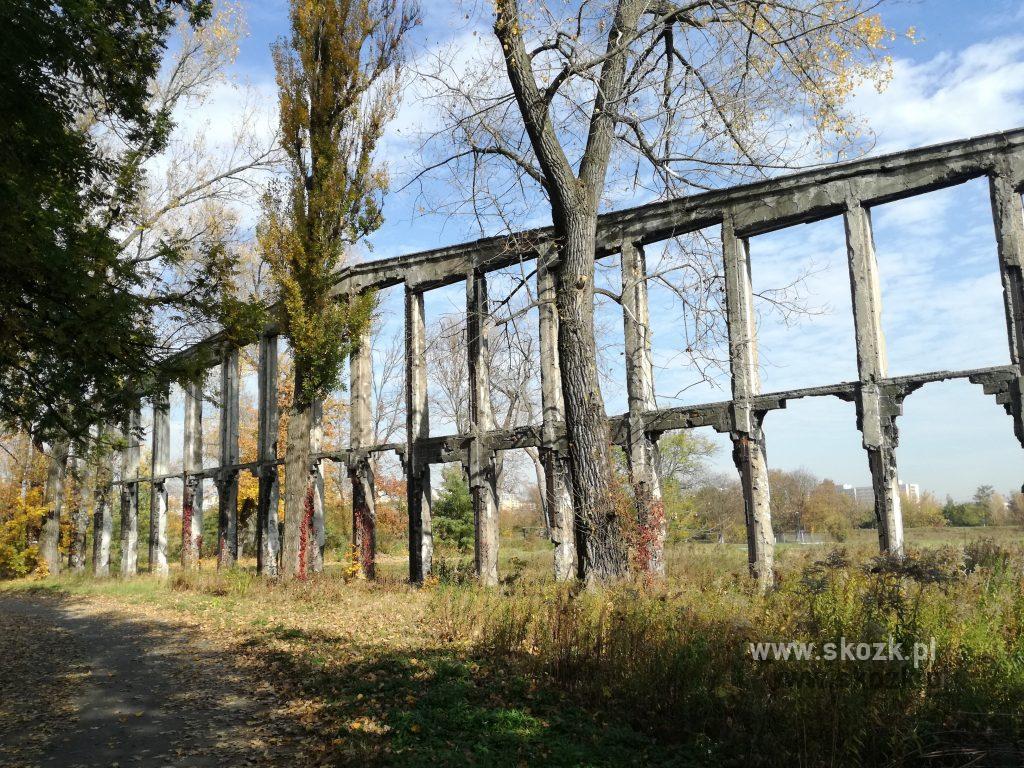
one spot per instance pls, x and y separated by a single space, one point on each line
865 494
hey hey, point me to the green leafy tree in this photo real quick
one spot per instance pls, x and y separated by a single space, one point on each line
338 84
453 511
77 323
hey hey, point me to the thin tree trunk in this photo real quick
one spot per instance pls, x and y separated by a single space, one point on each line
297 490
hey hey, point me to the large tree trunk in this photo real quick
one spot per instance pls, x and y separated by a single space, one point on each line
49 539
601 550
298 493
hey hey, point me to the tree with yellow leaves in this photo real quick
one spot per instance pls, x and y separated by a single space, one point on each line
338 78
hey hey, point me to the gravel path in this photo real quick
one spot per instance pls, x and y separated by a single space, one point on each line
81 685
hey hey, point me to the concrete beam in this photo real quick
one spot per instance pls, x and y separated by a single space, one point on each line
877 428
417 428
747 436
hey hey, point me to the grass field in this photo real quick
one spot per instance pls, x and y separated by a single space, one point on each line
533 673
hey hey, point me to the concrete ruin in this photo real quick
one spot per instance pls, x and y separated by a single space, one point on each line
848 190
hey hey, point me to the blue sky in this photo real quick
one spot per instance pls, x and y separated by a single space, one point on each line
942 299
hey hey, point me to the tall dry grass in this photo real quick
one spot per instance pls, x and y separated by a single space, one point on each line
674 660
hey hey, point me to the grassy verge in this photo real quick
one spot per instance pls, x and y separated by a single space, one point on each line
538 674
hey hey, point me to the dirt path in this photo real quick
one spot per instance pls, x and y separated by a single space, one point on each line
83 686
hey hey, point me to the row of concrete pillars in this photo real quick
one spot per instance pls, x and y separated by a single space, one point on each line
878 403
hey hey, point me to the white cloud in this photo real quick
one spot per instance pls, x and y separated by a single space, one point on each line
978 90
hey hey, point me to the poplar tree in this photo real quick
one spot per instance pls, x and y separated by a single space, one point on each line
338 77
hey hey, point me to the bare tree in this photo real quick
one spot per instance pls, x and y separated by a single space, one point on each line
613 97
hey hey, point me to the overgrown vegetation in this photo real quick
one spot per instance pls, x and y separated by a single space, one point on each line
534 673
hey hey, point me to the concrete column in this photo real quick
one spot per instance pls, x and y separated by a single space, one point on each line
747 437
85 503
49 538
267 543
130 498
483 480
417 427
556 470
102 519
158 487
319 523
360 471
877 426
1009 222
227 490
192 490
642 450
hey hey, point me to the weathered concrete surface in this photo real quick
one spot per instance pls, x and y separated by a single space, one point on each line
268 545
483 481
847 189
227 480
879 433
748 440
360 470
161 453
1009 222
192 492
417 428
130 498
642 450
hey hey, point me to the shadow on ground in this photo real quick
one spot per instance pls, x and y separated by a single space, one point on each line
87 687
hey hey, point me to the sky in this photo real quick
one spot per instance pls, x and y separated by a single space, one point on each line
942 302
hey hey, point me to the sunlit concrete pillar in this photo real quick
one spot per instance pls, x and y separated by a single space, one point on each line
877 426
642 451
161 452
747 436
102 515
49 537
483 481
192 488
360 470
